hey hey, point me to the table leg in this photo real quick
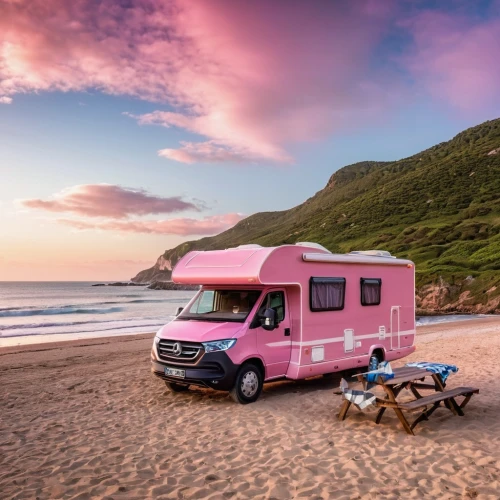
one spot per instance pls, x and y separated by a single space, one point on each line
403 421
380 414
395 392
456 407
438 382
425 415
415 392
450 403
391 396
343 410
466 400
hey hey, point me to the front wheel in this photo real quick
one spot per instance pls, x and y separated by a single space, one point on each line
173 387
248 385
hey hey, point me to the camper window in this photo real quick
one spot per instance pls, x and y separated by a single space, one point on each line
371 291
326 294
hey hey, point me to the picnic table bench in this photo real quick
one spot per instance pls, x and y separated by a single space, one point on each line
412 378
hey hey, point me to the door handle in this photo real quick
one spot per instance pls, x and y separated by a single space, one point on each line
287 332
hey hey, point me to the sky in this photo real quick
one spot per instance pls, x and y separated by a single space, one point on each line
128 127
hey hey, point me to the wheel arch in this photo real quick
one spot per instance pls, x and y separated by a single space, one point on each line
258 362
377 350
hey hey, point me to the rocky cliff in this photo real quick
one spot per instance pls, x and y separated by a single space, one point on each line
458 297
161 271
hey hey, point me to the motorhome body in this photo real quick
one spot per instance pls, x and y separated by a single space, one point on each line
292 311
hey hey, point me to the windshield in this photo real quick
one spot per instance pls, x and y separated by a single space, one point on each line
221 305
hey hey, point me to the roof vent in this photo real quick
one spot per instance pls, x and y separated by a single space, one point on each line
246 247
373 253
312 245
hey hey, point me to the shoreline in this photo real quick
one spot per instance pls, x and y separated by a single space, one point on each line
445 330
75 343
62 338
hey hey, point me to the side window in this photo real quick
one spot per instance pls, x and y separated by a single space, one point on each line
326 294
371 291
276 301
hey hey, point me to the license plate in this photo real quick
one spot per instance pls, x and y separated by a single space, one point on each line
175 372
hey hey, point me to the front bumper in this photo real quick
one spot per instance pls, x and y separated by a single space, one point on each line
214 370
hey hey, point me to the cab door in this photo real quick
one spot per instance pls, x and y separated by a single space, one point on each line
274 346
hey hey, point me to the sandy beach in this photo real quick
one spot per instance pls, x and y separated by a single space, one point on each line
87 419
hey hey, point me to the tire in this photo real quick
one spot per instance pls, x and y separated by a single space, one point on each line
248 384
174 387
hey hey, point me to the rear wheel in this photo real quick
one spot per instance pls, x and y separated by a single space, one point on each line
248 384
174 387
375 359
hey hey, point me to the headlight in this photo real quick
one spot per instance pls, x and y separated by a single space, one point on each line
218 345
157 336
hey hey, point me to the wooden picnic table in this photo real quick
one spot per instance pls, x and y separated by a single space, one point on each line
412 378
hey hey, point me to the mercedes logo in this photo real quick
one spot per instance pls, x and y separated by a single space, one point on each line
176 349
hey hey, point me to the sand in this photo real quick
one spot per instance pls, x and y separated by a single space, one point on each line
86 419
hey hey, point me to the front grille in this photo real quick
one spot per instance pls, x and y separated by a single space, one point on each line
190 352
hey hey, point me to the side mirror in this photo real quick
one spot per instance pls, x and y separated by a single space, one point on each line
268 321
179 310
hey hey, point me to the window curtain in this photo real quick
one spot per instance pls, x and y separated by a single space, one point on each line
327 295
371 293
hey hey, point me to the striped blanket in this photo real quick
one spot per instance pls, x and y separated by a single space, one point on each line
360 399
441 368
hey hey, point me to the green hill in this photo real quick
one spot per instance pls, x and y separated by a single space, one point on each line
440 208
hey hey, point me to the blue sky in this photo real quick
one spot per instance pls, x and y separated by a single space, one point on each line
52 141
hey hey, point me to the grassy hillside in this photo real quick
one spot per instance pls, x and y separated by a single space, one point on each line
440 208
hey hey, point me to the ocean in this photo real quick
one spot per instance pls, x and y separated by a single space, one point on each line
32 312
35 312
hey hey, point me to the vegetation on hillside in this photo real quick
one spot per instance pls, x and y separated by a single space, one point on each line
440 208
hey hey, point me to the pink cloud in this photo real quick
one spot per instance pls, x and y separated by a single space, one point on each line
248 77
211 152
107 200
182 227
456 57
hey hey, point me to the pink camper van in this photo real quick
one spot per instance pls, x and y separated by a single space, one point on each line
292 312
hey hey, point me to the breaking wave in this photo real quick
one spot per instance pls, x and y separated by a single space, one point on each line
49 311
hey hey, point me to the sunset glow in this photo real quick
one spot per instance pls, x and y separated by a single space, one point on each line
129 127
